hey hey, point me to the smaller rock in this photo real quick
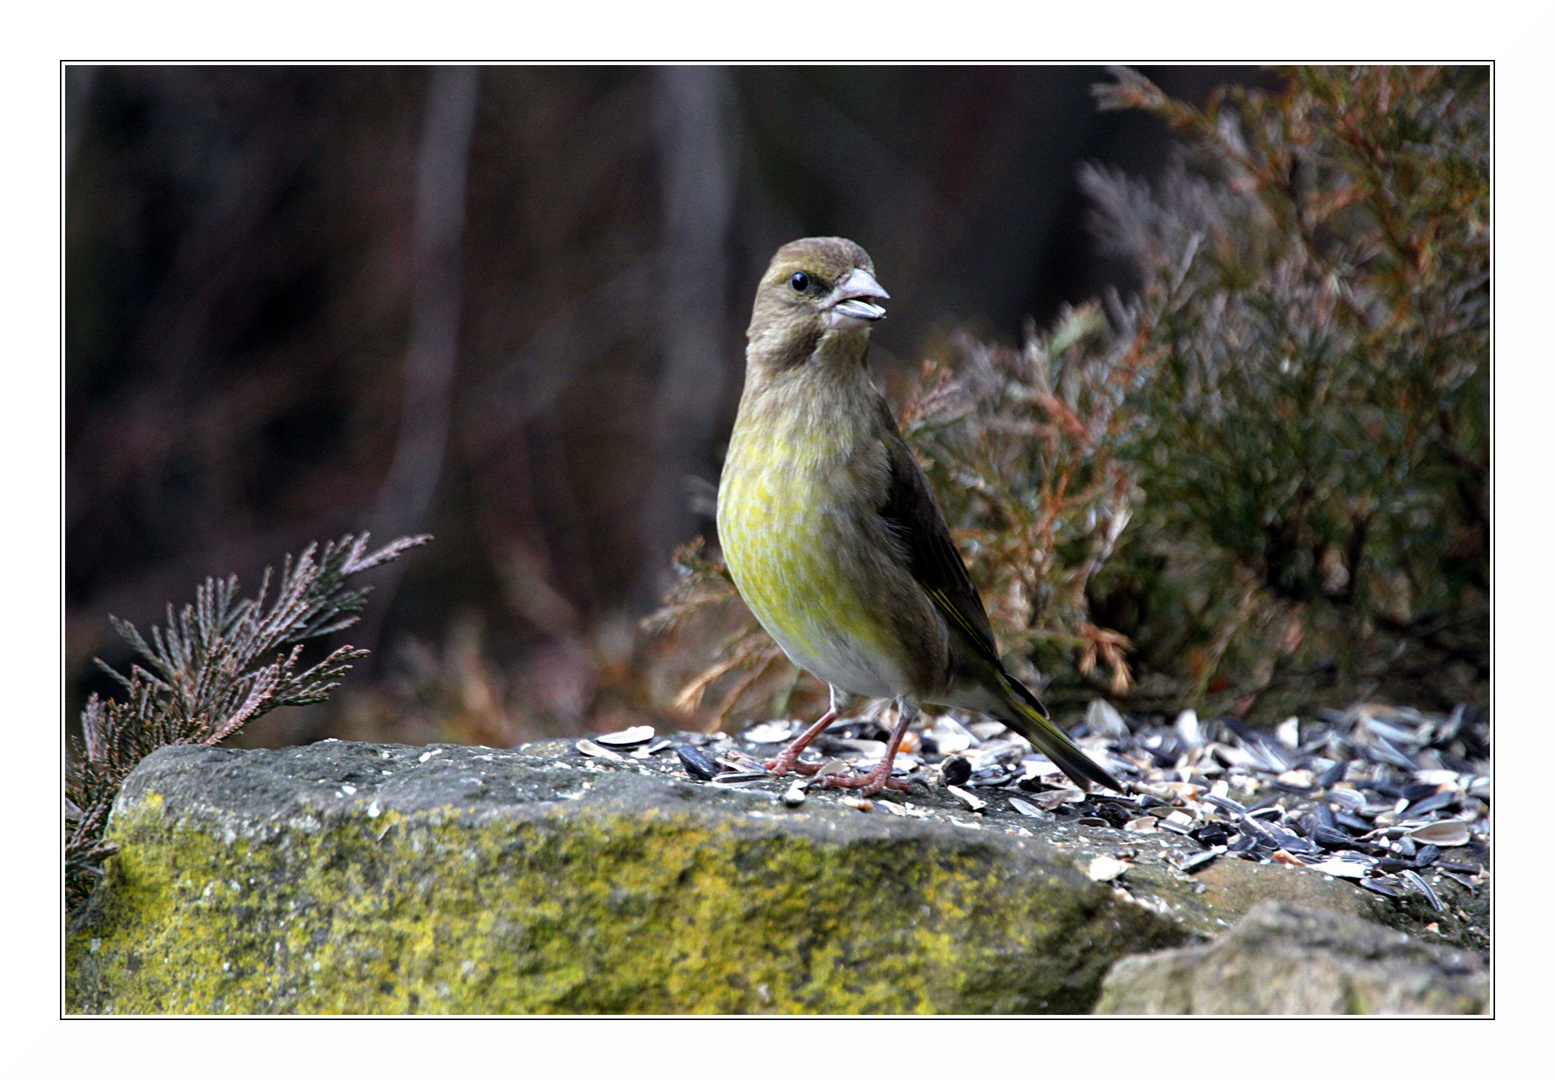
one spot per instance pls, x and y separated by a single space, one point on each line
1283 959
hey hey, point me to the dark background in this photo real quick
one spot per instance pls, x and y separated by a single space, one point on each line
505 306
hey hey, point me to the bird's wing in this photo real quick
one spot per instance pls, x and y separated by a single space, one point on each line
935 563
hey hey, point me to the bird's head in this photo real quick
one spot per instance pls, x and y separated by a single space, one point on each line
820 288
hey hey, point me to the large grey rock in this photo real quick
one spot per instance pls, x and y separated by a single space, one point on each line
1283 958
349 877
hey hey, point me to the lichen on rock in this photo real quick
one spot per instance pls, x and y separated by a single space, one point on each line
354 878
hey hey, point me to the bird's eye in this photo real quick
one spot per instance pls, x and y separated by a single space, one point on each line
800 281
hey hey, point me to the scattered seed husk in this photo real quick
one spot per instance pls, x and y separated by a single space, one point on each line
1186 728
632 736
732 758
1288 732
955 771
594 750
1441 800
1021 806
1106 868
776 731
1442 834
1338 866
1214 834
1104 720
831 767
1289 841
1330 792
952 737
1467 882
1157 794
1052 800
747 776
1331 775
1002 752
1388 887
1298 779
994 777
696 763
1330 838
1040 768
1113 814
864 749
1352 822
1230 805
1420 884
972 801
988 729
1385 752
1197 860
857 803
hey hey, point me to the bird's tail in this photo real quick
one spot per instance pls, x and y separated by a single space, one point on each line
1028 716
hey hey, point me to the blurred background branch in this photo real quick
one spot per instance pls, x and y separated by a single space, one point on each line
698 191
438 236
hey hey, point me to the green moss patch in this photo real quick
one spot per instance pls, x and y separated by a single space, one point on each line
499 882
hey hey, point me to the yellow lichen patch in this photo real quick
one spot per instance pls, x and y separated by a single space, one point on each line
572 909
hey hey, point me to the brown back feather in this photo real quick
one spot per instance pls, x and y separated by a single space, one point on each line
915 517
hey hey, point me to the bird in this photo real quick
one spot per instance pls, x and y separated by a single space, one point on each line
831 532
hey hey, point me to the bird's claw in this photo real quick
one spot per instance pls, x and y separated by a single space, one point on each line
783 765
868 784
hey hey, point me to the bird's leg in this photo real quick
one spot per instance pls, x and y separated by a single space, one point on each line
788 759
880 776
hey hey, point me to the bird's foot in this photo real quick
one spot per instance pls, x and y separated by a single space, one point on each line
786 763
869 783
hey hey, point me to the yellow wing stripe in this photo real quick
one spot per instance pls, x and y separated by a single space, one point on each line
944 604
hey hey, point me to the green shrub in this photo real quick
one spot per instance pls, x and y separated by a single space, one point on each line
1262 482
1314 422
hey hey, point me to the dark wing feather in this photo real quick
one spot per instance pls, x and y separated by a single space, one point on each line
915 517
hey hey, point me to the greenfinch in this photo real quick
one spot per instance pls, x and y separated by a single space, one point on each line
832 535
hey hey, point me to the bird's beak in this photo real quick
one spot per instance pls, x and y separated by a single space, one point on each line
851 302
